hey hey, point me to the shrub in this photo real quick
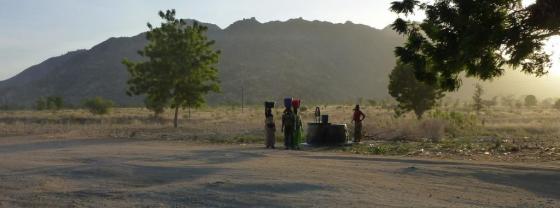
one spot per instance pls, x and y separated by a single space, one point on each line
53 103
98 105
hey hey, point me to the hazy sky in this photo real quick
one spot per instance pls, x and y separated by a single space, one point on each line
34 30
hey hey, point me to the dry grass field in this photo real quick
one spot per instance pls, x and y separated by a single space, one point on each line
496 134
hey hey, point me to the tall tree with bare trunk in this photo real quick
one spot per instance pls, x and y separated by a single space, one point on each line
180 69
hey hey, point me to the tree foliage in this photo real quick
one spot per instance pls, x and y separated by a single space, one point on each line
156 106
530 101
411 94
474 37
180 69
98 105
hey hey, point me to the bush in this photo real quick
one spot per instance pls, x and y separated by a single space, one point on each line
98 105
53 103
457 123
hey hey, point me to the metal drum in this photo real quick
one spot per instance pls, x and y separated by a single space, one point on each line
315 133
337 134
326 134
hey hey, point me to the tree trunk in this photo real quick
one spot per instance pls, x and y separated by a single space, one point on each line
175 121
419 114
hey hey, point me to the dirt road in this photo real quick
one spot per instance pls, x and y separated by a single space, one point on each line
42 172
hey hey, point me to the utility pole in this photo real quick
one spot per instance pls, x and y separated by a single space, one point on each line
242 98
243 79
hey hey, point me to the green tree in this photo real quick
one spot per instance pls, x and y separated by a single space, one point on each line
530 101
411 94
181 65
98 105
477 38
477 98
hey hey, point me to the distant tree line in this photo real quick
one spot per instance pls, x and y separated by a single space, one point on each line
97 105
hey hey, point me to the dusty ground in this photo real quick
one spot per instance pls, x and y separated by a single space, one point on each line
48 172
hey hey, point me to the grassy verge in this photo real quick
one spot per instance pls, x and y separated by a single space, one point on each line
460 148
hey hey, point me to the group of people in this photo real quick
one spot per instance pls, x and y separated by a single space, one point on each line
292 126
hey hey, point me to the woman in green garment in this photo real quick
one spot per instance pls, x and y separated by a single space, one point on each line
298 137
298 133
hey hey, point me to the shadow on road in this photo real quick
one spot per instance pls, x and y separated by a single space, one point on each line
277 188
210 157
541 181
115 173
430 162
58 144
233 195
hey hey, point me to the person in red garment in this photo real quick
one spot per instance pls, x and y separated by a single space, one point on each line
357 119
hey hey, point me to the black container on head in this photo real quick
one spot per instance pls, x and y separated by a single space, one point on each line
269 104
268 108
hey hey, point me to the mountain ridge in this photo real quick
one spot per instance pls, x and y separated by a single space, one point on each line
318 61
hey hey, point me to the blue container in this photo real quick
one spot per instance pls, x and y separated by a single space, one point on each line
288 102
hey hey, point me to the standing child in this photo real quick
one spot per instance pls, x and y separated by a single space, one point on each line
317 114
